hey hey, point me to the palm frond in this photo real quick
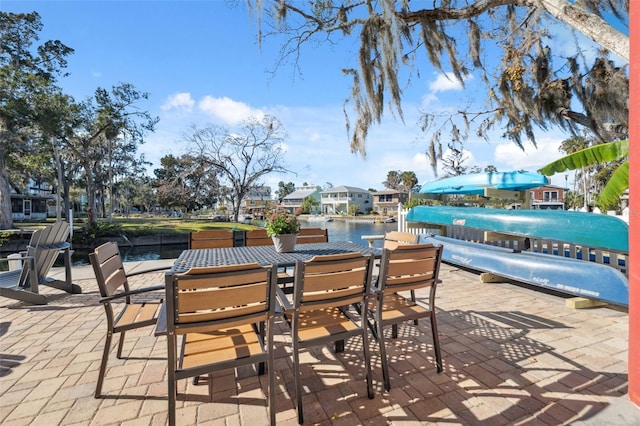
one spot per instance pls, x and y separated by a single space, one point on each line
596 154
616 185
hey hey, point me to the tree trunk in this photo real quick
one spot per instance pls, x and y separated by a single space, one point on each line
66 199
6 219
589 24
592 26
236 212
59 180
91 195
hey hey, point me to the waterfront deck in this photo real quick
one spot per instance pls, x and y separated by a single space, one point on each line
512 355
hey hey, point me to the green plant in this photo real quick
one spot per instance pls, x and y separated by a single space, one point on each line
281 222
598 154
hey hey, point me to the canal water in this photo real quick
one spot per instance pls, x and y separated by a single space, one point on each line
338 231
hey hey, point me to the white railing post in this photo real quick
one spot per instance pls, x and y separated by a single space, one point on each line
402 216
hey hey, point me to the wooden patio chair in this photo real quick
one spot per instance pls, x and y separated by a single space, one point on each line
305 236
312 235
405 269
211 239
44 247
324 289
220 312
257 237
114 287
395 238
21 282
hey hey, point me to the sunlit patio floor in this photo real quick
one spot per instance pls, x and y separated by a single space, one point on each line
512 355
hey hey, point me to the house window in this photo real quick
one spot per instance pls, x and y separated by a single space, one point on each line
16 205
39 206
550 196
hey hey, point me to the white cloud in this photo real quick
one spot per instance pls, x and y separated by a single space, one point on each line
530 158
314 136
226 109
446 82
182 101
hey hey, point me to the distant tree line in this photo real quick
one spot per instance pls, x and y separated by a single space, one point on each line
49 137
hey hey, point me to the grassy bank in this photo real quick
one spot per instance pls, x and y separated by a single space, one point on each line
129 227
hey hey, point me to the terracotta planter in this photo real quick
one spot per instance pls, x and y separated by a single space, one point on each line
284 243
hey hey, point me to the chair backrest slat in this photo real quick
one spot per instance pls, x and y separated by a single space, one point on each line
412 266
108 269
409 267
332 280
222 297
115 282
257 237
211 298
312 235
198 281
395 238
218 238
45 245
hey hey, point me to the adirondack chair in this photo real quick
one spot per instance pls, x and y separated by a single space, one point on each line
25 273
45 246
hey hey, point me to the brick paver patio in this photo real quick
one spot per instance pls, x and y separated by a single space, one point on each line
512 355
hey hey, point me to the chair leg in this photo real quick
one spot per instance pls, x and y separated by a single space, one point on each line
367 360
103 364
171 378
172 401
394 331
120 345
210 380
383 356
271 391
261 330
413 299
436 341
298 384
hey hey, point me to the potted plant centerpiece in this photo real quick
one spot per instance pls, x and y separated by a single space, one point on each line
283 228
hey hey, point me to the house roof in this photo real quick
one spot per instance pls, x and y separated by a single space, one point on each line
344 188
390 191
549 186
300 194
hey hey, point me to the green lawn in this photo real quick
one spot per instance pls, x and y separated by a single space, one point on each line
137 226
176 226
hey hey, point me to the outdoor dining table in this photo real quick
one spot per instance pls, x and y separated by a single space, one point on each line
263 255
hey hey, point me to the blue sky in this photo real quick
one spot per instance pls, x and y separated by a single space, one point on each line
201 63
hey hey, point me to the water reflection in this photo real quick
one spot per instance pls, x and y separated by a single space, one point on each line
352 231
132 254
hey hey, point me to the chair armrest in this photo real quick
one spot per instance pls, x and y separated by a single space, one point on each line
161 323
131 293
23 256
283 301
374 290
146 271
